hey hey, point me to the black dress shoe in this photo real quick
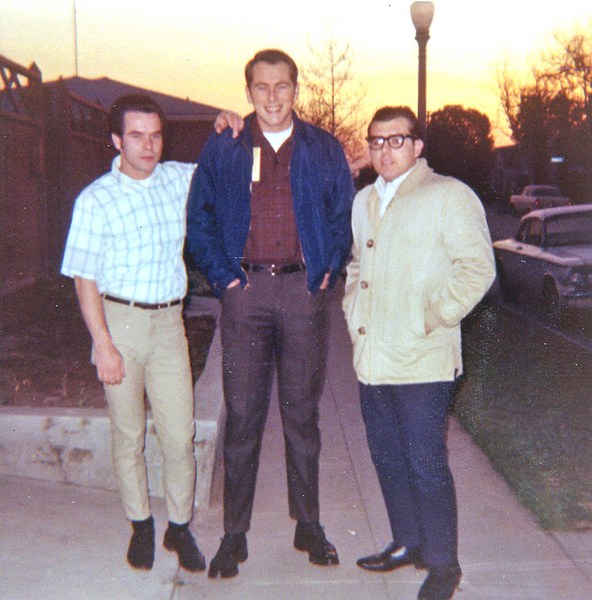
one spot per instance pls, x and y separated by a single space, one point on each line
440 583
233 550
310 537
179 538
392 558
140 554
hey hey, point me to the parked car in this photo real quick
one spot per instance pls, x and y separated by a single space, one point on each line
534 197
549 258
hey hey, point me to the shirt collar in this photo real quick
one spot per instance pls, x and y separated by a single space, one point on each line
123 178
387 189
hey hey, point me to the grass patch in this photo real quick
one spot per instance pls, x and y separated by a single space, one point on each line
527 402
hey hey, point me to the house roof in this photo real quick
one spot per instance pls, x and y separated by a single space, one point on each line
104 91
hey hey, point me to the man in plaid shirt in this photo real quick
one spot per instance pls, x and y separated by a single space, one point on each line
125 253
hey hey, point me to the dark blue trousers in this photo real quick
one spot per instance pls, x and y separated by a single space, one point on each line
406 426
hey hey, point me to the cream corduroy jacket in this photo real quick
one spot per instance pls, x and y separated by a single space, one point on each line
415 273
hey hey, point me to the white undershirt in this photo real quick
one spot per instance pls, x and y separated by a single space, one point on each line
277 138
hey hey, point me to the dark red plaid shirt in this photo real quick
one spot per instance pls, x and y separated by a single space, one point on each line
273 237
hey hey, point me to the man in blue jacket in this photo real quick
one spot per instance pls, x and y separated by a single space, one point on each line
269 227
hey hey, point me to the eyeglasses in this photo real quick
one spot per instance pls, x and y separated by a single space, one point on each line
394 141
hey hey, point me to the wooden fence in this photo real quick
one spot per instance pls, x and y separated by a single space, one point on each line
78 152
24 251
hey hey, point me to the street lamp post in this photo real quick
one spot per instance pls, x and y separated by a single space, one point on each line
422 14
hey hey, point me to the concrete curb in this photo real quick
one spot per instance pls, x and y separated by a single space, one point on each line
74 445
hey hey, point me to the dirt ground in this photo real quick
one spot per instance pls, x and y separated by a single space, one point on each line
45 350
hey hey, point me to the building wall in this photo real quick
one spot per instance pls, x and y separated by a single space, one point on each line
185 139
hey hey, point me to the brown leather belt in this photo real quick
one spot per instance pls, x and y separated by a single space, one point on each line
273 269
144 305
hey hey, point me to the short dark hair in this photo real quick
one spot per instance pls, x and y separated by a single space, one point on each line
388 113
132 103
272 57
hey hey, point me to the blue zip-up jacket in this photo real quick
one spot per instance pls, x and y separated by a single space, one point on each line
219 213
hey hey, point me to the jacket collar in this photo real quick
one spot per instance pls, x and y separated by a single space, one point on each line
419 173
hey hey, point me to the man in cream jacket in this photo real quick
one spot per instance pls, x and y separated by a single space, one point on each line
422 259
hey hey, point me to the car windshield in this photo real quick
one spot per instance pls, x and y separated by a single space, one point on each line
546 191
573 229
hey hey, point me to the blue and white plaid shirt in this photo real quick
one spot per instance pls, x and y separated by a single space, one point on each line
128 234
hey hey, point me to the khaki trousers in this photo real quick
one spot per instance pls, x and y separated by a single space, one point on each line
156 360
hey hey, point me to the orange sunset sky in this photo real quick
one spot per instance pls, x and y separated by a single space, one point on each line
198 49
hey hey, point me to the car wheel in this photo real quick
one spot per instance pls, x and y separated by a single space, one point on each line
509 293
552 304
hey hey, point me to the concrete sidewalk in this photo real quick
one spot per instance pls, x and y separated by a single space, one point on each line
62 542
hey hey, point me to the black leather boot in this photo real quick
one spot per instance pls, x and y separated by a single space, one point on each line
233 550
140 554
179 538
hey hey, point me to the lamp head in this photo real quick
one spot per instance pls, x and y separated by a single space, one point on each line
422 14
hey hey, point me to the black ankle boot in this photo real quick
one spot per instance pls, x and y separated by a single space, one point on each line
233 550
140 554
179 538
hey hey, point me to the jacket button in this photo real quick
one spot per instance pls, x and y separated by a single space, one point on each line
370 243
361 330
364 285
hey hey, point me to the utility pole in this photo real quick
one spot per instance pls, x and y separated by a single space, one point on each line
75 39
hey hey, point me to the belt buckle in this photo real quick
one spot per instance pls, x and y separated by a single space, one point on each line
274 270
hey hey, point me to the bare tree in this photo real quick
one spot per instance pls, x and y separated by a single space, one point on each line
551 113
562 82
568 73
329 97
